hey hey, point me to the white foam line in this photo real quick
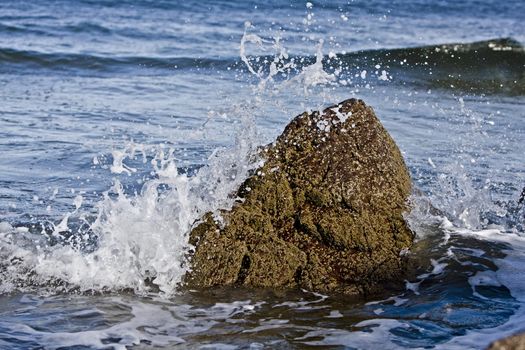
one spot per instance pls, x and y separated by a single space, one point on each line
379 338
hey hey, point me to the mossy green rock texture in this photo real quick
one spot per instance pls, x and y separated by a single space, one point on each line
324 213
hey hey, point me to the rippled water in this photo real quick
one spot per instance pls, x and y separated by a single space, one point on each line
122 122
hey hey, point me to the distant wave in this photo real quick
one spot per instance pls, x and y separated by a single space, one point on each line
491 66
487 51
103 63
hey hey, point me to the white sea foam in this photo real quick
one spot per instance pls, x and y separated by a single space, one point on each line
138 237
376 335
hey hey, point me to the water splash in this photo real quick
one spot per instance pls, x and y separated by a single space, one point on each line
138 239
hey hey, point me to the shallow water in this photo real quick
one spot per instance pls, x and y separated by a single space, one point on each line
122 123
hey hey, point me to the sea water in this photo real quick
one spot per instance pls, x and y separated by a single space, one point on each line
123 122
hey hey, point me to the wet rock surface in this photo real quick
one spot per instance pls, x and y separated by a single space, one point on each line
516 342
324 213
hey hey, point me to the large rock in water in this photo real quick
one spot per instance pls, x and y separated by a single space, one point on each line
324 212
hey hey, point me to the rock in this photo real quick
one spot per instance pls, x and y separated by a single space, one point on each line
324 213
516 342
522 197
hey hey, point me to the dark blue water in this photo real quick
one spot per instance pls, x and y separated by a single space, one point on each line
121 122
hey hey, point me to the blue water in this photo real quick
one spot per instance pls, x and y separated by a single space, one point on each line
165 88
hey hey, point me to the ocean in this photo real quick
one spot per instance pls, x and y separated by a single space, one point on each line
123 122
